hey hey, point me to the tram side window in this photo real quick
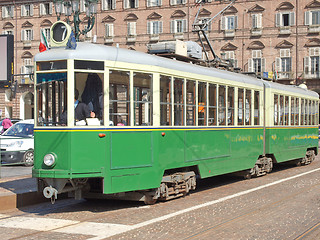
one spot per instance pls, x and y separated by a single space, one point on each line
119 98
212 104
286 110
90 92
256 108
165 101
202 104
310 112
296 107
292 111
317 113
222 105
302 117
51 97
230 106
240 106
276 109
248 107
142 90
306 112
178 102
191 103
281 110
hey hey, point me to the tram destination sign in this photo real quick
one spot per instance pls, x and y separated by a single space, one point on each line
6 60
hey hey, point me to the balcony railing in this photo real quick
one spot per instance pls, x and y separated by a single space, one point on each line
256 31
314 29
285 30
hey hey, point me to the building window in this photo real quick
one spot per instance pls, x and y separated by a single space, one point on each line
312 17
130 4
256 63
27 35
7 11
257 20
27 10
108 4
285 19
178 26
177 2
131 27
204 20
45 9
284 64
154 27
7 32
109 30
27 67
311 63
230 56
46 33
154 3
229 22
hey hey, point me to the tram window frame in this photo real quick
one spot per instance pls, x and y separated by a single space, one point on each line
51 98
142 98
248 107
202 103
286 111
231 104
165 100
312 112
241 115
115 116
178 101
190 102
222 91
212 104
256 108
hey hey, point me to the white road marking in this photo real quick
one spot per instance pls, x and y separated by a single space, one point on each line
101 230
38 224
104 230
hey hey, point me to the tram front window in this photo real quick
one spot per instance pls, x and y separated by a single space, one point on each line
51 98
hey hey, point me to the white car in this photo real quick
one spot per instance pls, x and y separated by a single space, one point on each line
17 144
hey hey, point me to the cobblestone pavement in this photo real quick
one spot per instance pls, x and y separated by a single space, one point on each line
282 205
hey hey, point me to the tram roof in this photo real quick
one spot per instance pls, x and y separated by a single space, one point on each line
97 52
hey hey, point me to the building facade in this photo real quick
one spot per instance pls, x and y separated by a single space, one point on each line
274 38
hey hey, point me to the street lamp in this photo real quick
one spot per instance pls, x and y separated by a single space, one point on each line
71 7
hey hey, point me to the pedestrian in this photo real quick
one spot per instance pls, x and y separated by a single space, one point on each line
6 123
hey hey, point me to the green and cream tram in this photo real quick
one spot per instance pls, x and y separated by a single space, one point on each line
159 123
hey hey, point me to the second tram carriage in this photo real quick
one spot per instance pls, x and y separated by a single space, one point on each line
159 124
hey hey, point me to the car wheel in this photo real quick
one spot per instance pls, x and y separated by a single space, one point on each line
28 158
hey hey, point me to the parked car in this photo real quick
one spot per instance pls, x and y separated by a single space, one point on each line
17 144
14 120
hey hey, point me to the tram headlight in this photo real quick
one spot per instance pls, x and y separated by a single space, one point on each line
49 160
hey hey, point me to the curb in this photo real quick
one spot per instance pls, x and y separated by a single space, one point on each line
11 201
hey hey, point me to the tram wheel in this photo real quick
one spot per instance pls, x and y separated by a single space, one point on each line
28 158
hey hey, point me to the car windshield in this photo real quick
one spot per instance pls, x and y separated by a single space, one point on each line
20 130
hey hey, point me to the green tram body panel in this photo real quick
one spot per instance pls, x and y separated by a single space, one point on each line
288 143
136 159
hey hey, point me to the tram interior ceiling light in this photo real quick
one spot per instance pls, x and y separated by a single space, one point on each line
72 7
